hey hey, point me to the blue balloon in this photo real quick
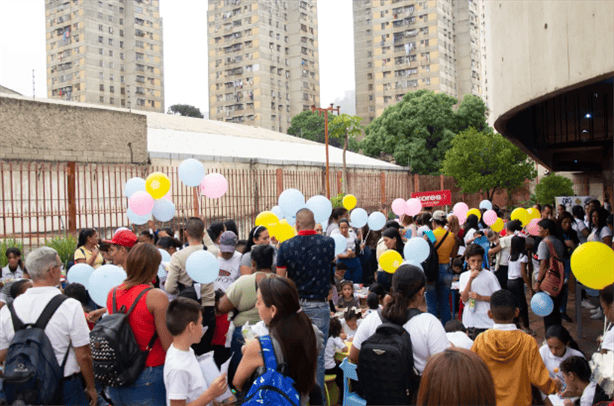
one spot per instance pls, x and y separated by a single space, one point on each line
103 280
376 221
163 210
135 218
134 185
278 212
321 207
542 304
416 249
341 244
166 257
414 263
161 271
290 201
202 266
359 218
191 172
486 204
80 273
291 220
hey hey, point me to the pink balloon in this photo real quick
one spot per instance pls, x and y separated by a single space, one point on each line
141 203
168 196
398 206
462 219
460 210
490 217
413 207
532 227
214 186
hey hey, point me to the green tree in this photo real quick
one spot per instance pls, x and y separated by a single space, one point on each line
551 186
185 110
310 126
486 161
345 127
417 131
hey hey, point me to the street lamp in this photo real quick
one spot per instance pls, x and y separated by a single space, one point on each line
326 110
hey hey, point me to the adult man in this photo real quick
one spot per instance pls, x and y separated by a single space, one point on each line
179 281
230 261
438 294
306 260
547 231
67 329
121 244
547 213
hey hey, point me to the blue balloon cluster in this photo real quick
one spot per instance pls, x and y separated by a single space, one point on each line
321 207
290 201
542 304
80 273
278 212
416 249
191 172
134 185
103 280
166 257
341 244
486 204
358 218
135 218
163 210
376 221
202 266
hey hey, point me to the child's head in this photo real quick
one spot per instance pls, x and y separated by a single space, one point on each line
219 294
474 255
517 248
334 328
340 269
513 226
503 307
379 290
492 236
351 316
558 339
373 301
19 287
457 265
184 317
455 325
77 291
575 370
347 289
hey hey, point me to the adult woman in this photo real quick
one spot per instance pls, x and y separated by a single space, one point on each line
291 332
600 232
517 277
333 222
15 269
578 224
471 226
87 249
349 257
147 320
392 241
571 240
455 229
428 336
168 244
215 231
258 236
456 377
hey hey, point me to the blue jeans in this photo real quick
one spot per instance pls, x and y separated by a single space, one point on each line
438 295
319 313
147 390
73 392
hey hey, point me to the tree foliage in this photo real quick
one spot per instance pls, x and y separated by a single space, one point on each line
551 186
418 130
310 126
185 110
486 161
346 127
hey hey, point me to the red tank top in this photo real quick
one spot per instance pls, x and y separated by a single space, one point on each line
141 321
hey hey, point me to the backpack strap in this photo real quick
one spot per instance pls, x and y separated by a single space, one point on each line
268 353
442 240
552 251
136 301
17 323
410 314
51 307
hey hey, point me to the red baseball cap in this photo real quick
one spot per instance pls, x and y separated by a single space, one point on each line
125 238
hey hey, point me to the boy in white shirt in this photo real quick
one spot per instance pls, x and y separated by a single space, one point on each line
476 286
183 378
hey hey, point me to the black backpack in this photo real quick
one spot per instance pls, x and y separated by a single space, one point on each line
431 264
386 364
118 360
32 373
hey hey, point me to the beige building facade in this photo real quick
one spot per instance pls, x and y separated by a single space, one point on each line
107 52
263 61
406 45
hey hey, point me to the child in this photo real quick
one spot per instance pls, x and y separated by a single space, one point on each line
340 269
476 286
577 374
334 344
347 298
218 342
511 355
77 291
458 267
183 378
457 334
372 303
19 287
351 321
518 276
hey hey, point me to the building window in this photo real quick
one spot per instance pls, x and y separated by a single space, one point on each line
101 99
110 30
100 39
110 41
100 27
102 88
111 77
100 16
110 53
101 63
100 51
121 44
112 100
112 89
121 21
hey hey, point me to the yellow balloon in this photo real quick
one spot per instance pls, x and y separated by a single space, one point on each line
157 185
521 214
283 231
477 212
533 213
593 265
349 202
498 226
390 260
267 218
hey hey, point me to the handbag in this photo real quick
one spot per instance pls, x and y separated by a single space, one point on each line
552 282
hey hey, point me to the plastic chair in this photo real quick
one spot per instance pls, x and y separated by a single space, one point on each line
349 372
332 396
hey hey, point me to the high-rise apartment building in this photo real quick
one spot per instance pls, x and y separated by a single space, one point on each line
105 52
263 61
406 45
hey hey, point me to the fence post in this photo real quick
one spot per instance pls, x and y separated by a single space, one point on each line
72 198
195 202
416 183
383 182
340 181
280 181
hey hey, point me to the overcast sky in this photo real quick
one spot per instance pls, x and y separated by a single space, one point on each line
22 49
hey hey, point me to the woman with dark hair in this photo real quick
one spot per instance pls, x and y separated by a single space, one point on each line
577 373
456 377
606 299
333 221
518 276
559 346
549 233
600 232
15 269
258 236
292 335
350 256
148 237
169 244
471 226
215 231
392 240
231 225
87 251
148 323
571 241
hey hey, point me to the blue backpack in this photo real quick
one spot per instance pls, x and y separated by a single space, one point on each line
32 373
272 387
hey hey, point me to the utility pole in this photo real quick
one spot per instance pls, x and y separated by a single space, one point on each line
326 110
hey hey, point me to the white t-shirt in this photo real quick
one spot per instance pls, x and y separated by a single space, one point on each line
485 284
229 271
506 245
7 275
183 378
604 232
514 270
468 236
608 340
332 345
553 363
578 225
588 395
422 230
66 327
347 330
428 336
351 242
460 339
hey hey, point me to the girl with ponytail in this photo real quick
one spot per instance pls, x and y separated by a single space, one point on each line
427 334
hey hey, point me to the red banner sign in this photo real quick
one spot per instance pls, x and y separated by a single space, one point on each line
435 198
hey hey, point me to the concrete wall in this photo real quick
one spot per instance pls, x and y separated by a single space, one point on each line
55 131
538 47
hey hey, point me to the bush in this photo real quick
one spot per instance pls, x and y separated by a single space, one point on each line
65 246
337 201
552 186
8 243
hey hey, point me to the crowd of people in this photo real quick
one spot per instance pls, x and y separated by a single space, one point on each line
298 302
